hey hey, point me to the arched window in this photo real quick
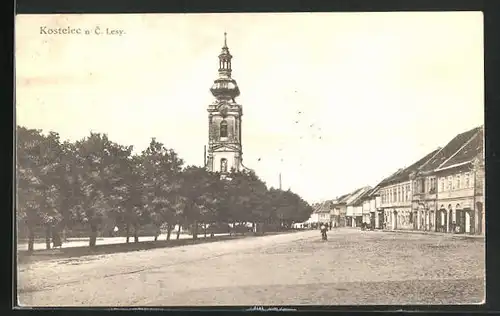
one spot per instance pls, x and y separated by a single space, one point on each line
223 129
223 165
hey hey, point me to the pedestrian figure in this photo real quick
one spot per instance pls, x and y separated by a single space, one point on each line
115 231
323 230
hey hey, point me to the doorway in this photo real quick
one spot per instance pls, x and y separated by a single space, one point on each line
468 221
461 221
432 221
414 219
442 221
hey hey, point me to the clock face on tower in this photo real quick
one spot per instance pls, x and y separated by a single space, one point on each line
223 110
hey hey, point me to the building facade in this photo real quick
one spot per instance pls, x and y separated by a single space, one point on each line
358 214
376 211
335 212
313 220
396 194
396 202
354 207
324 212
424 206
339 211
460 194
225 151
366 210
444 191
372 211
343 214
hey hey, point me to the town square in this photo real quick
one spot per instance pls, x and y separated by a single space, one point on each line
351 268
278 164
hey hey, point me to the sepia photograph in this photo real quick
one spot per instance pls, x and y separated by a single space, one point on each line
249 159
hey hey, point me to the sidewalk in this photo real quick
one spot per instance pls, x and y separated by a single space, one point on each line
421 232
113 248
84 242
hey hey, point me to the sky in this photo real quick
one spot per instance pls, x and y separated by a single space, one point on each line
375 91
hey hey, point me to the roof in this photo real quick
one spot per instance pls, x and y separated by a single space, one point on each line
323 207
370 193
404 174
449 150
472 149
352 197
343 198
375 191
348 199
356 197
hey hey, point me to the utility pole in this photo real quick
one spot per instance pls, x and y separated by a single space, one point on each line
280 180
204 156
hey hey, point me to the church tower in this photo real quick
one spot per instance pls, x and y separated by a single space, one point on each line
224 120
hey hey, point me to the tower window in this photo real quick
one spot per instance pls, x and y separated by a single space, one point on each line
223 165
223 129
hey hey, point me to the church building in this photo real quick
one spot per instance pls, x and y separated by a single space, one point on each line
224 120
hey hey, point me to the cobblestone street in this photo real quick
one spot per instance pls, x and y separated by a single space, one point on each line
352 267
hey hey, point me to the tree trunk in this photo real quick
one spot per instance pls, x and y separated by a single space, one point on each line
169 231
31 238
178 230
195 230
136 233
93 235
157 232
127 231
48 232
205 230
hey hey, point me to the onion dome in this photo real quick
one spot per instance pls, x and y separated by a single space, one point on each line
225 87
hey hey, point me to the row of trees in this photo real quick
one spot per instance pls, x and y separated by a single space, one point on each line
63 185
